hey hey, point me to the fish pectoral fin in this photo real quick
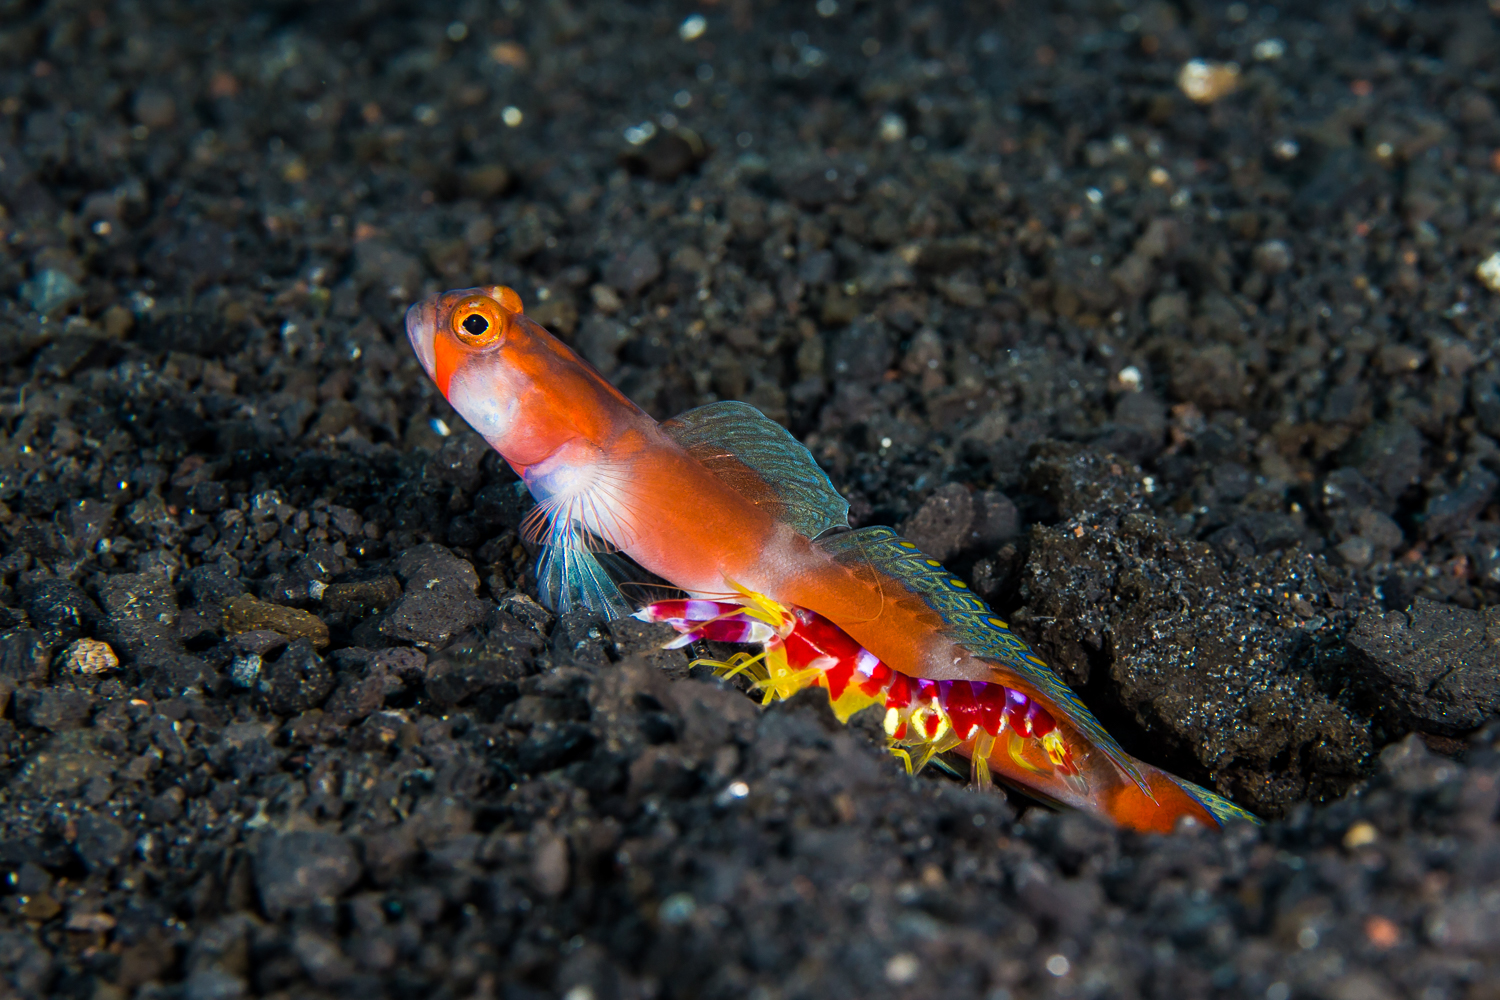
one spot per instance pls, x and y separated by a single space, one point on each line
570 577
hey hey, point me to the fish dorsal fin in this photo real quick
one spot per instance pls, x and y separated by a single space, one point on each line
759 459
968 621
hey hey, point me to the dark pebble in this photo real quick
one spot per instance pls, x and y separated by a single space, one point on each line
302 868
953 521
1434 667
258 642
1389 455
54 708
211 585
631 270
504 652
243 750
101 841
297 680
61 610
140 610
207 498
668 156
580 637
24 655
439 601
1454 510
1485 398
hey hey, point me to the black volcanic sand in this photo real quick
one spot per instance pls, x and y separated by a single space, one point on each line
1204 397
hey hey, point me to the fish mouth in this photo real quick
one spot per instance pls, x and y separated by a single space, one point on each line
421 330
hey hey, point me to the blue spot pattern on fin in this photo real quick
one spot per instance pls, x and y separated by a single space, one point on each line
971 623
1219 808
570 577
732 438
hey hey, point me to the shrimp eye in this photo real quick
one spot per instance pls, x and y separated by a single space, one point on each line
477 321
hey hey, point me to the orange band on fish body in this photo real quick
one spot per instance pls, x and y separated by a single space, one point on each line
446 357
1129 806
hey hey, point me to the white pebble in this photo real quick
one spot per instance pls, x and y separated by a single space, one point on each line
692 28
1489 272
1205 82
90 656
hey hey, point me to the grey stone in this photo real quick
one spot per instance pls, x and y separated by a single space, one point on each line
302 868
1484 396
439 600
211 585
101 841
60 610
214 984
505 652
861 352
51 292
953 520
1272 257
1434 667
24 655
432 618
1452 511
244 750
632 270
1356 551
1388 453
55 708
141 610
298 680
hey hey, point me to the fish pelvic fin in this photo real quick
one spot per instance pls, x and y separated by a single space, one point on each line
586 511
570 577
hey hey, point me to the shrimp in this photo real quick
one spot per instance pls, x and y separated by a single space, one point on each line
801 648
725 505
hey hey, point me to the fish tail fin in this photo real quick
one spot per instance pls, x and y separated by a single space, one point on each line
1173 801
1220 808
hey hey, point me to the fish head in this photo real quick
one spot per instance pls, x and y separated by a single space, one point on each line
523 390
450 330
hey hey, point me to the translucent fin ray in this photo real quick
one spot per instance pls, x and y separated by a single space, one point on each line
761 461
570 577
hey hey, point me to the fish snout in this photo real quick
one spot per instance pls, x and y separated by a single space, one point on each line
421 330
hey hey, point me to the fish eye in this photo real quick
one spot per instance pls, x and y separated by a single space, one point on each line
477 321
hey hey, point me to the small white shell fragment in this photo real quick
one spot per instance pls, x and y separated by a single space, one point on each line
892 127
1205 81
692 27
1489 272
90 656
